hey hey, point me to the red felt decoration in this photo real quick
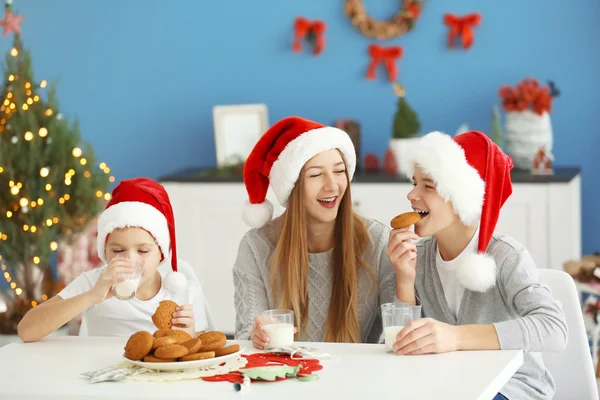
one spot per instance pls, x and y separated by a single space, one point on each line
388 55
462 28
265 360
303 27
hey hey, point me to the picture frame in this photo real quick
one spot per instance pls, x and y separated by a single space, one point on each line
237 128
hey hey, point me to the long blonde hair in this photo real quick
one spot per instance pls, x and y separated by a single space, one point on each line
289 266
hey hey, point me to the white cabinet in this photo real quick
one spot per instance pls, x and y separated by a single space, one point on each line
544 216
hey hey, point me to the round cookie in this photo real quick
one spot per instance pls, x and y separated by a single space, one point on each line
151 358
405 220
193 345
163 341
212 341
138 345
163 316
171 351
162 332
198 356
223 351
181 336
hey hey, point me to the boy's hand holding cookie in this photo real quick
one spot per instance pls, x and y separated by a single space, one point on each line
113 274
183 319
401 251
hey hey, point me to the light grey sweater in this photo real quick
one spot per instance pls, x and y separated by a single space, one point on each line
521 308
253 292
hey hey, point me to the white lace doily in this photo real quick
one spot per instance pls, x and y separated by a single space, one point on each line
147 375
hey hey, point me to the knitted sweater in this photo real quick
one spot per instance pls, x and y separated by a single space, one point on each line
253 292
521 308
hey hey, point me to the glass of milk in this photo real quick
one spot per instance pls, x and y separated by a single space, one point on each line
394 317
126 290
279 326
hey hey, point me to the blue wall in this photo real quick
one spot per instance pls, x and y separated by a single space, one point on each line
143 75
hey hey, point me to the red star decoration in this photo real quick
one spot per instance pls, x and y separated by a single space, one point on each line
11 22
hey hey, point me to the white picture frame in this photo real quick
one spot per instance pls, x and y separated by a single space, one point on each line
237 129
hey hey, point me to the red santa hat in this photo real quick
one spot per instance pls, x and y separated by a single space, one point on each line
279 156
145 204
473 174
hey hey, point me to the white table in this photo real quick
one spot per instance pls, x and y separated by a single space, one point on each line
50 369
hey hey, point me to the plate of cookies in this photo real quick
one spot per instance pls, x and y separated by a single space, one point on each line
169 349
175 350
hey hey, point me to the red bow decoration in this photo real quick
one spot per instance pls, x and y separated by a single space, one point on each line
386 54
268 359
305 27
463 27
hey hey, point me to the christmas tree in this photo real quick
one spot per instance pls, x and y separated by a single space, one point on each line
51 184
406 121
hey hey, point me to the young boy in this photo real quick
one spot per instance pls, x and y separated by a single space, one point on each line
475 289
138 220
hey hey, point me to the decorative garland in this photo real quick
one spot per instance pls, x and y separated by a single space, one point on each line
401 23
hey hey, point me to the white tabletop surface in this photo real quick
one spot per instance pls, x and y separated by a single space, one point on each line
51 369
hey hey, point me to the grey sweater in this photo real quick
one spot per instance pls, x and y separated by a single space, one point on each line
253 292
520 306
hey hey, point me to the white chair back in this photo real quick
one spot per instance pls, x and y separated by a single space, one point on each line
572 369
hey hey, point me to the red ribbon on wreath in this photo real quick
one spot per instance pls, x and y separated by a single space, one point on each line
307 367
388 55
305 27
462 27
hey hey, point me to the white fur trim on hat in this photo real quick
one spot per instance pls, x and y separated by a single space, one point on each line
442 159
477 272
133 214
256 215
287 167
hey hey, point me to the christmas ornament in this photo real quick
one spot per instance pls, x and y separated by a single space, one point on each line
371 163
388 55
401 23
314 31
390 166
461 28
11 21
